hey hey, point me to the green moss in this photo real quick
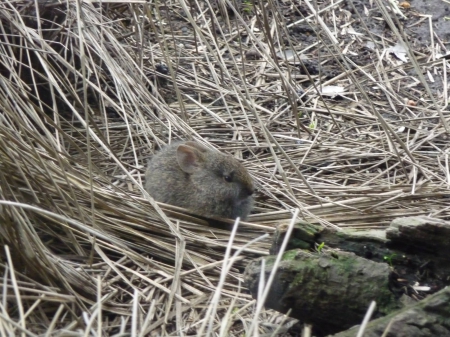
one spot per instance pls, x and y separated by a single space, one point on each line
306 231
345 263
289 255
298 243
386 301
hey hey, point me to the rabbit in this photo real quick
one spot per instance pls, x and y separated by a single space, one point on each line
207 182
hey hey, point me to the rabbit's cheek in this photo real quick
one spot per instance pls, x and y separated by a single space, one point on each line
228 194
242 194
239 203
243 201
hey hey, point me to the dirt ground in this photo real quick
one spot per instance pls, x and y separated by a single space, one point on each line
365 20
440 19
415 23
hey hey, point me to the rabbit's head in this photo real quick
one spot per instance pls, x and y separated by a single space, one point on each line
221 184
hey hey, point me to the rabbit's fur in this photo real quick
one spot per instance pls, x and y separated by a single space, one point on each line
207 182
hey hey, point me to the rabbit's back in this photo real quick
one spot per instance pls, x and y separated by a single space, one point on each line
164 180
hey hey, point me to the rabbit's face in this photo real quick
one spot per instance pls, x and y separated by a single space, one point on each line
226 179
220 185
232 178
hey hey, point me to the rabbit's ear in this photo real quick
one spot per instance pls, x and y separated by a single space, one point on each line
189 158
197 146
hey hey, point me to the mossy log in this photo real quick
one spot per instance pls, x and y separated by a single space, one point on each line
426 318
330 290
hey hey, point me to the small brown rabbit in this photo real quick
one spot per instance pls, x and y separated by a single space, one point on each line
207 182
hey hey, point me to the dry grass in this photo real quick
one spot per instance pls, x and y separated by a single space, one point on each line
82 107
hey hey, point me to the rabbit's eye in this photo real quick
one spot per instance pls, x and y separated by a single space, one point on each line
228 178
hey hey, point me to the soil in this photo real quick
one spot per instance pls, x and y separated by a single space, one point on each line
372 36
440 18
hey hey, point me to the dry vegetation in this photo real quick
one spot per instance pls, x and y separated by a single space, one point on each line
89 92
